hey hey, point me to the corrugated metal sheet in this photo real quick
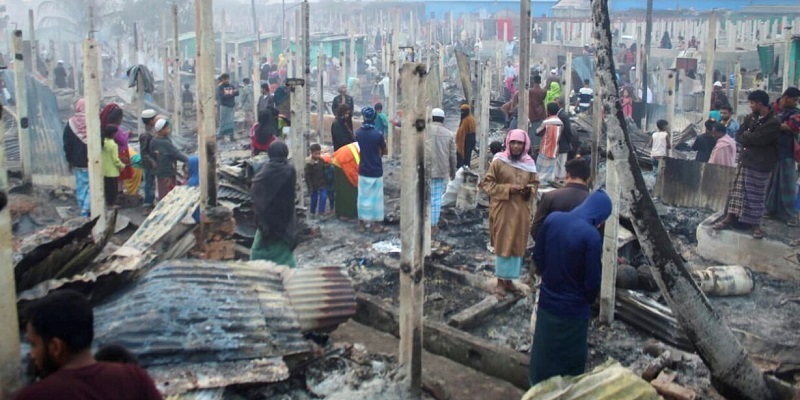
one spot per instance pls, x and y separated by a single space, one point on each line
651 317
197 316
323 297
46 129
156 237
609 381
686 183
192 383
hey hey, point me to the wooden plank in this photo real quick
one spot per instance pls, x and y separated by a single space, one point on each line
474 315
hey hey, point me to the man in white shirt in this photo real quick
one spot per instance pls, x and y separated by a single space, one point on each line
661 143
585 97
509 71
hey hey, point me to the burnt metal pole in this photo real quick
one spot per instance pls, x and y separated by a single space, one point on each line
414 223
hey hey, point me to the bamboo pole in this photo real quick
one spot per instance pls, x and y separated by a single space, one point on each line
320 96
524 63
671 80
23 120
34 47
710 56
165 61
485 94
391 103
91 90
9 332
256 62
352 67
206 129
51 63
787 59
298 148
177 110
75 81
610 233
648 38
414 223
223 48
568 81
305 66
737 87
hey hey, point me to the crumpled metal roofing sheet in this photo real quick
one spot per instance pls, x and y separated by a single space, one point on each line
609 381
323 297
200 316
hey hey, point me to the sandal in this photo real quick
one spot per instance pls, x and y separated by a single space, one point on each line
361 229
722 225
758 233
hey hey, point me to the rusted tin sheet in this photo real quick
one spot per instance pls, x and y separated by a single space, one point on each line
687 183
323 297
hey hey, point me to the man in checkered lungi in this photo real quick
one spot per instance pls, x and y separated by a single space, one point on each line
441 146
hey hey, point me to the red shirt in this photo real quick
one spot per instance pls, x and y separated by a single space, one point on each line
100 381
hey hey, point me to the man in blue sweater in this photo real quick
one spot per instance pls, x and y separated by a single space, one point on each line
568 254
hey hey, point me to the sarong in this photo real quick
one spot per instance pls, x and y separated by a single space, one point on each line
782 190
275 250
82 190
561 166
559 347
226 120
507 267
746 198
546 168
370 199
133 182
437 191
346 195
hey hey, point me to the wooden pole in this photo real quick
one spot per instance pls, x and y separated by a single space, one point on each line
568 81
352 62
91 90
34 47
648 38
305 66
610 233
787 59
256 62
320 96
597 134
23 121
737 87
165 60
671 80
9 332
524 63
391 104
206 129
177 110
223 50
637 77
414 222
485 96
51 63
710 56
298 147
75 65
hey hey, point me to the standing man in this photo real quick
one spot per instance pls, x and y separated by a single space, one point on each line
726 119
574 192
782 189
510 182
342 98
442 155
759 136
370 173
509 71
264 100
536 111
465 137
226 96
149 118
166 155
724 151
246 102
60 74
585 97
718 97
273 191
550 132
705 143
568 254
60 330
564 141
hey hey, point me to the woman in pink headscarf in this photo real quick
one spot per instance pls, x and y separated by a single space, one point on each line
510 182
76 152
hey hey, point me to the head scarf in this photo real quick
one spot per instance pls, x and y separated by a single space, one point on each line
104 114
274 187
525 162
467 126
369 117
553 93
78 121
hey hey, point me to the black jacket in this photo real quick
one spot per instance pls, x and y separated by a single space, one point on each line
74 149
273 192
338 100
759 137
341 134
565 141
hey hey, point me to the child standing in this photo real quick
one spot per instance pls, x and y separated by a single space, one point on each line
315 179
661 143
112 165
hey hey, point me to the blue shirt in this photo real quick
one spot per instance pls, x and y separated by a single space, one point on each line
371 143
568 253
733 127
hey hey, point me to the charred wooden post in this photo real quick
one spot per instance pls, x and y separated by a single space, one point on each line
305 69
223 47
320 96
414 223
91 90
21 101
486 90
567 81
177 100
711 45
297 137
9 332
671 80
648 38
737 87
165 62
733 373
787 59
524 63
34 47
206 126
